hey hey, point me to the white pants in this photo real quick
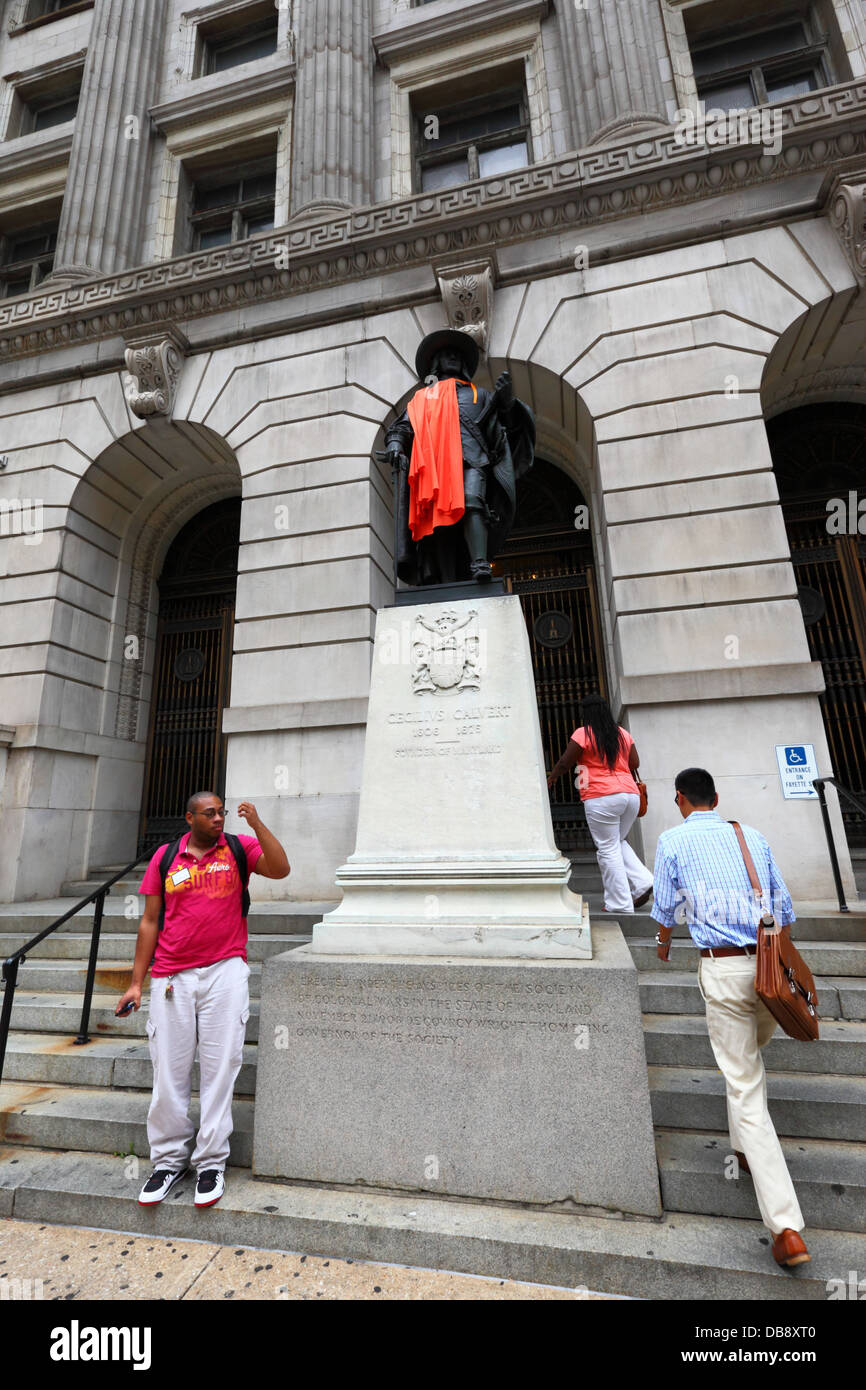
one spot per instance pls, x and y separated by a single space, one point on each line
624 877
209 1005
739 1025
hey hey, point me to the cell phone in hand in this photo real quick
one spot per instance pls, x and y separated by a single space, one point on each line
121 1013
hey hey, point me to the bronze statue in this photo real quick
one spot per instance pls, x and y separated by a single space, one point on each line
456 454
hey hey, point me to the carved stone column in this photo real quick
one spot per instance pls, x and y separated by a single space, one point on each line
611 60
103 207
333 164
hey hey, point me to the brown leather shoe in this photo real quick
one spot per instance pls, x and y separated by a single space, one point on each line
741 1159
789 1249
644 897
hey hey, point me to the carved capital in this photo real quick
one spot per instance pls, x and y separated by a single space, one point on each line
847 210
153 366
467 291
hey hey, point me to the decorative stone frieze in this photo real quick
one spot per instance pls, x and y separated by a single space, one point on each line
467 291
600 184
153 367
846 208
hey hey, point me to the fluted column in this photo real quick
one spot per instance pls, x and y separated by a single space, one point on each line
611 55
103 207
333 163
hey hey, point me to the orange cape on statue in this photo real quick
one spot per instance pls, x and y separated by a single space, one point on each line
436 495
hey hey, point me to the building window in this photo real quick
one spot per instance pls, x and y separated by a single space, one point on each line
228 208
26 257
242 36
44 103
230 53
471 139
43 9
760 63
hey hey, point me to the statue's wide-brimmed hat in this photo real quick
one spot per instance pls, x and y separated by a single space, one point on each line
447 337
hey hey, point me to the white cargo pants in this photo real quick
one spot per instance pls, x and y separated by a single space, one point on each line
210 1006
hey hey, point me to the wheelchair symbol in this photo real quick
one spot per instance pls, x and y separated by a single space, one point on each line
795 756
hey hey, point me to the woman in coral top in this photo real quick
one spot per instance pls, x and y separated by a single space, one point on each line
608 761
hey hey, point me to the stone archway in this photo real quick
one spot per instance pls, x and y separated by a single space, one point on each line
819 458
126 511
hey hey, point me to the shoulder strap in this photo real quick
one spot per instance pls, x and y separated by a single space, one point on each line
750 870
165 864
240 855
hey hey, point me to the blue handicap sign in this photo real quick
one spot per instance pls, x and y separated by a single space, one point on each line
796 757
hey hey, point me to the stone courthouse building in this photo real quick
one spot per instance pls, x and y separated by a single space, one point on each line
224 229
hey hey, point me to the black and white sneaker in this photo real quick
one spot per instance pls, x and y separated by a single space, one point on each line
210 1186
158 1185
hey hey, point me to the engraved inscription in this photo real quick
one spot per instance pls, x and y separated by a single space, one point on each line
422 1012
438 733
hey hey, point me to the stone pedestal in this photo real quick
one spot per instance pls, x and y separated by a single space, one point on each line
388 1057
521 1082
455 852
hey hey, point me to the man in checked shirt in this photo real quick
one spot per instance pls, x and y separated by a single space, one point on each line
699 865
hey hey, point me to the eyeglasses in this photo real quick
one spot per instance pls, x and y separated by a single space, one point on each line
212 813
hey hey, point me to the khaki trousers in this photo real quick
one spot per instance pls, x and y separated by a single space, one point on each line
739 1025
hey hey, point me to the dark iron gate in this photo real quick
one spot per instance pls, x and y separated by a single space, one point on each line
819 454
186 747
549 562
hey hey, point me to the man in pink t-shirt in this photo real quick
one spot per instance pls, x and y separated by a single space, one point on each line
199 991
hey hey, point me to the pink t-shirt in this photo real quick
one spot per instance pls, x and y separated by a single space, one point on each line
203 922
604 780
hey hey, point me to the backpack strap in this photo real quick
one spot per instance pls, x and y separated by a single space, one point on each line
165 864
240 855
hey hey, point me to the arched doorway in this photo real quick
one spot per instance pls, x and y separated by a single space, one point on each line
549 561
819 456
192 668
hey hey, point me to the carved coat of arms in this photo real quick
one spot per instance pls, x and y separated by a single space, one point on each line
445 653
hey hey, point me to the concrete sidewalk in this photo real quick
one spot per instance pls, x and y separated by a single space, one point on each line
74 1263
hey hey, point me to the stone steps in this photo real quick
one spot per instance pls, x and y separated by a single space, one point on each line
671 991
60 1013
120 946
91 1103
681 1040
97 1120
841 927
824 958
680 1256
810 1106
70 976
830 1179
27 919
104 1061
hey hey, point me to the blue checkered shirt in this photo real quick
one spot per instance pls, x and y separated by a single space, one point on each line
700 879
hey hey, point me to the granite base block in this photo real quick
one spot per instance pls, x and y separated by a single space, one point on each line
511 1081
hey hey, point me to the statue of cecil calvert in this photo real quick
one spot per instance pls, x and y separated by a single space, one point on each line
457 452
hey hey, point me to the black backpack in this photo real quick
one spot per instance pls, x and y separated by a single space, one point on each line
239 853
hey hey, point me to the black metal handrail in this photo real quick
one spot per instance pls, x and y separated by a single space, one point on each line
819 784
11 963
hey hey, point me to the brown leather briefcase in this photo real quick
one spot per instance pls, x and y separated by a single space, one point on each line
783 980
